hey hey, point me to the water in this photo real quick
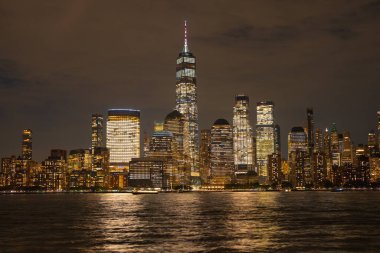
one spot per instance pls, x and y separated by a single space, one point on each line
191 222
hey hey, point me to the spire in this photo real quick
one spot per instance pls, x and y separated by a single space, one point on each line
185 46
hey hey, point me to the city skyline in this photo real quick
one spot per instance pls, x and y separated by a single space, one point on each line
55 112
189 126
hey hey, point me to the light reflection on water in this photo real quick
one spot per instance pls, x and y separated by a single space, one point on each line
191 222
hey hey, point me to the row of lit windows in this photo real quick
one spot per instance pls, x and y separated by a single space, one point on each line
123 138
185 72
185 59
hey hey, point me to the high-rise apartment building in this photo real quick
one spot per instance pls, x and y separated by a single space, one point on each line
265 136
27 144
310 137
54 169
222 159
297 140
242 135
8 170
298 157
319 169
274 169
277 139
186 103
123 136
79 159
100 159
297 166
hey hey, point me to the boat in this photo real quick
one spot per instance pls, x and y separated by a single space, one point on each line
144 191
337 189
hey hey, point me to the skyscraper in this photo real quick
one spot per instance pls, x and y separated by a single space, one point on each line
274 169
335 150
277 139
204 155
318 145
298 157
162 143
186 102
347 156
222 160
310 130
27 144
297 140
146 141
265 136
175 123
334 138
79 159
100 159
327 143
310 137
96 131
372 143
242 134
123 136
319 169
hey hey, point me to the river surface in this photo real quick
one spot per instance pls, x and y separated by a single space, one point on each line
191 222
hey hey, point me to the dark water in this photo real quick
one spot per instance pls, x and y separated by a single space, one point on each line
191 222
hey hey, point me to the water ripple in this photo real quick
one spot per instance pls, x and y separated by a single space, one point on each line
193 222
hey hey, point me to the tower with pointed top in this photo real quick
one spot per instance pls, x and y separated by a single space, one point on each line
186 103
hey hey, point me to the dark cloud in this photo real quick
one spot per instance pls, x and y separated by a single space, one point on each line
10 76
253 34
342 32
371 9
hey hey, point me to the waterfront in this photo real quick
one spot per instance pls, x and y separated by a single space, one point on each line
191 222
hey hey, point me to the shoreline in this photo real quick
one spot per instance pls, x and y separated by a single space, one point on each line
185 192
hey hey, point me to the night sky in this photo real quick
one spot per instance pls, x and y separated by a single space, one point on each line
61 61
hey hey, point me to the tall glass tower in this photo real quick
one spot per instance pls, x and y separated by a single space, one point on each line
123 136
265 136
186 103
242 135
221 156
